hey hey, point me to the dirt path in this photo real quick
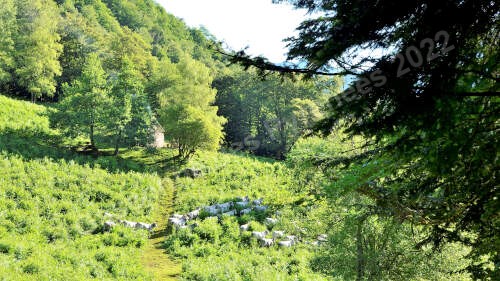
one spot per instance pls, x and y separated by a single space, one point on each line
154 258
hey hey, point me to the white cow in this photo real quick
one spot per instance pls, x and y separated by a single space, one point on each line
242 204
108 225
211 210
260 235
322 237
126 223
266 242
147 226
230 213
245 211
245 227
271 221
225 207
193 214
177 222
286 243
258 202
278 234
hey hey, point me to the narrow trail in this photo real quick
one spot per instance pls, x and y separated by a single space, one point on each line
154 258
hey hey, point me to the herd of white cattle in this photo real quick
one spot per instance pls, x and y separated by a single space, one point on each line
238 208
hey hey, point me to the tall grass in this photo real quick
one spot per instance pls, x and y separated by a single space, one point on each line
52 205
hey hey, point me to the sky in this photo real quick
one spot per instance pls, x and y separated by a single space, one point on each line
258 24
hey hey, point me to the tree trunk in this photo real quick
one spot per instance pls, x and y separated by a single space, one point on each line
92 139
117 143
360 267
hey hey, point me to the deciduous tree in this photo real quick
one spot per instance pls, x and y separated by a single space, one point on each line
37 47
86 103
191 128
186 111
7 31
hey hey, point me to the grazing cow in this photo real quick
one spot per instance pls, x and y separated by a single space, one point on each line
177 222
271 221
147 226
108 225
177 216
266 242
258 202
322 238
126 223
193 214
230 213
292 238
225 207
245 227
245 211
286 243
278 234
242 204
259 235
211 210
260 208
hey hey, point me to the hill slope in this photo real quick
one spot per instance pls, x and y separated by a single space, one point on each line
53 208
53 200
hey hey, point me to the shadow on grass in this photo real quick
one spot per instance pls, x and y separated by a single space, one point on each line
32 145
160 233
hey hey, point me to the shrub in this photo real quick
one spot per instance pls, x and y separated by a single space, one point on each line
209 229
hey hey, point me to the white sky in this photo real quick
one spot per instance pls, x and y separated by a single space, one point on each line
258 24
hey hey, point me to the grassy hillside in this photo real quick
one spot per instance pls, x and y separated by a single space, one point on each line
50 226
25 131
53 200
22 116
307 202
217 250
52 206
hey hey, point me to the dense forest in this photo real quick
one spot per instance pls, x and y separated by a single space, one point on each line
383 168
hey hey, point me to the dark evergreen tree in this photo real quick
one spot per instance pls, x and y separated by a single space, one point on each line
431 105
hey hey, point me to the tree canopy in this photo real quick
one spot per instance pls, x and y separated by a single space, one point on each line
266 116
186 110
37 47
86 104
